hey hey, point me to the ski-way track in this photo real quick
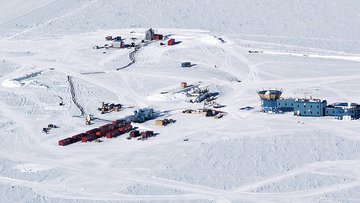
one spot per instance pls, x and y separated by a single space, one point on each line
52 20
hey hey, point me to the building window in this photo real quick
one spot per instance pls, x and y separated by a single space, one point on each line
318 113
285 104
310 106
304 112
298 106
317 106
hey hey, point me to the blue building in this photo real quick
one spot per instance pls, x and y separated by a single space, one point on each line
285 105
343 111
269 100
310 107
331 111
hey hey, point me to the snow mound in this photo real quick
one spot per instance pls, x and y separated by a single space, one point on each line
167 97
210 40
11 83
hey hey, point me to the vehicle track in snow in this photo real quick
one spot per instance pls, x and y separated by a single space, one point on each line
73 95
131 57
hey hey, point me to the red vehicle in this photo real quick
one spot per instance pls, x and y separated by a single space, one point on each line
109 38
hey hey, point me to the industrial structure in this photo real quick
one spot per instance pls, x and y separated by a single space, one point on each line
344 111
186 64
150 35
142 115
271 102
117 42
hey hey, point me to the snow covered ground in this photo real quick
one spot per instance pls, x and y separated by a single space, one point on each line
247 156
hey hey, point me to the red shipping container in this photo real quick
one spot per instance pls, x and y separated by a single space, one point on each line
61 142
121 129
147 134
66 141
77 138
112 133
171 42
106 126
92 131
102 133
84 139
134 133
120 121
89 138
158 37
128 128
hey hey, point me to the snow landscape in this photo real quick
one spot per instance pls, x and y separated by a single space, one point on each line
302 47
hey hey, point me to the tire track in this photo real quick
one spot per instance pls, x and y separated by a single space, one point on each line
73 95
132 58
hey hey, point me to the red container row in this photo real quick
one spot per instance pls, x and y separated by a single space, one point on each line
110 130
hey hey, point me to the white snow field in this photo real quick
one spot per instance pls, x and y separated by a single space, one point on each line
305 47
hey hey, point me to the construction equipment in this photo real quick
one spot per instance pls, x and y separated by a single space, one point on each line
207 112
88 119
52 126
204 96
192 111
143 115
109 107
49 127
45 130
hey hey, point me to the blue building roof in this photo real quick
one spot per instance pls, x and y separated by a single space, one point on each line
345 104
